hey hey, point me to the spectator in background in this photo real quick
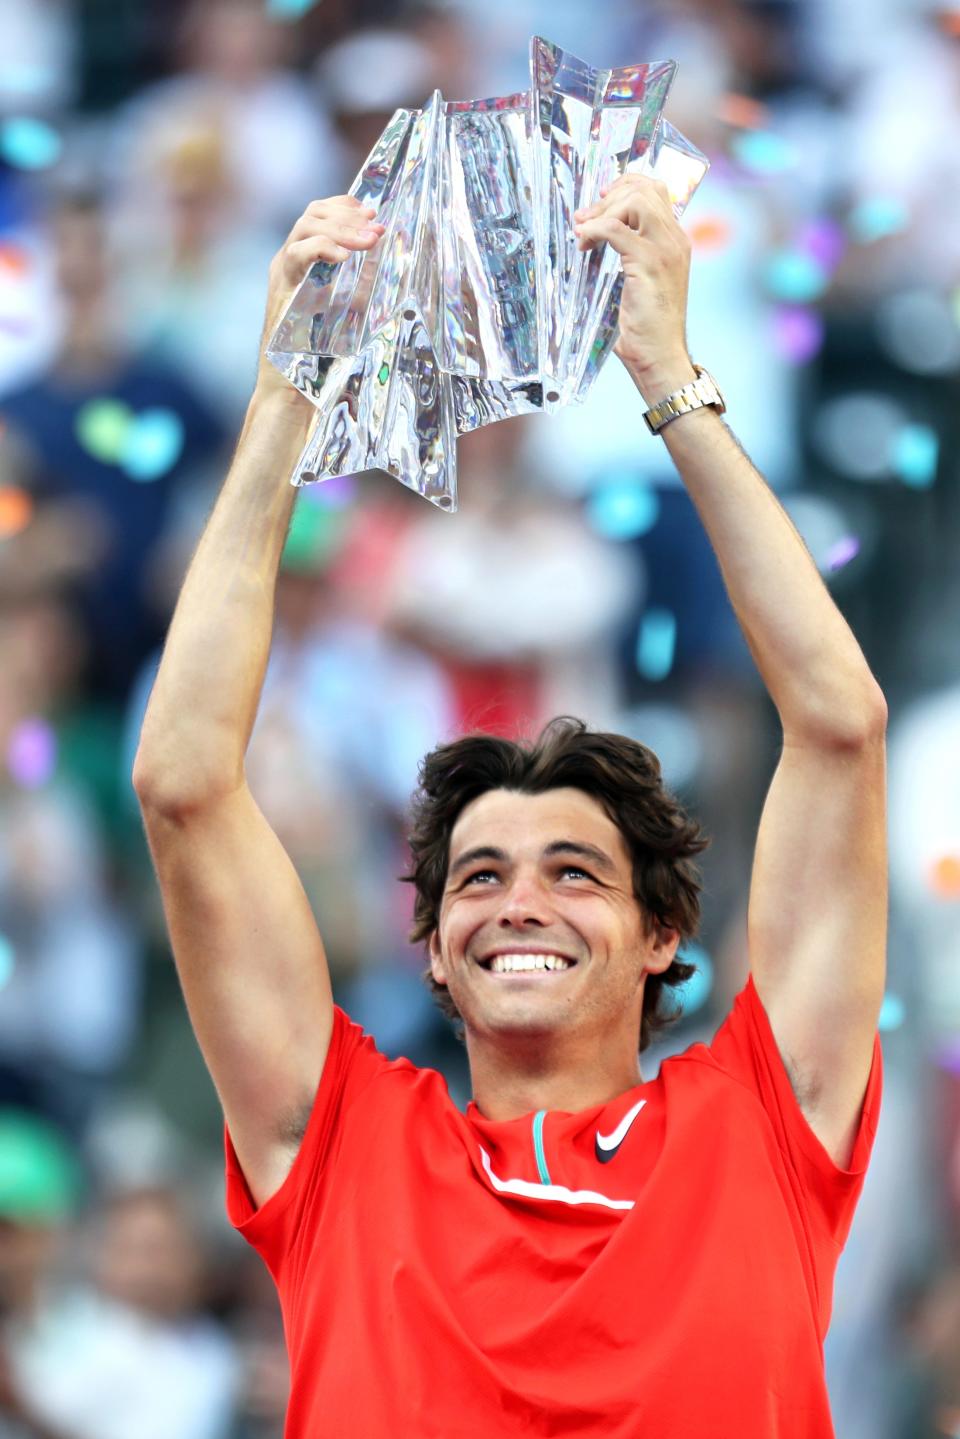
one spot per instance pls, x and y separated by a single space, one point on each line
365 77
517 596
235 82
114 436
39 1190
904 168
124 1351
188 284
69 957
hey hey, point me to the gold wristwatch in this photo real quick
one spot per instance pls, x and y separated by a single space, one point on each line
701 391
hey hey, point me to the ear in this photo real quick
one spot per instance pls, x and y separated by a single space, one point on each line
662 948
436 959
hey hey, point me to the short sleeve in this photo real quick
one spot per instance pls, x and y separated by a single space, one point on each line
745 1047
352 1063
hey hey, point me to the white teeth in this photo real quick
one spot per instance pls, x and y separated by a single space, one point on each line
519 963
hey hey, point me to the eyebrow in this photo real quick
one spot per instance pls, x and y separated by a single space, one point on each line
589 852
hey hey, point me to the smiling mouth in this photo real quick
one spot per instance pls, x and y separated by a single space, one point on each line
541 965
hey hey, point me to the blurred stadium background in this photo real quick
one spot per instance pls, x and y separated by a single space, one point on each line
152 157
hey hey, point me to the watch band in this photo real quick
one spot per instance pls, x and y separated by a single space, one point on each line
701 391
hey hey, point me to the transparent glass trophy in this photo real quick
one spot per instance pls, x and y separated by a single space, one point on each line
476 304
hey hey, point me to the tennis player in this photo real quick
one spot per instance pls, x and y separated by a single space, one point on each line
584 1252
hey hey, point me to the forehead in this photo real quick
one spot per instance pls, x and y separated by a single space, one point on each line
520 823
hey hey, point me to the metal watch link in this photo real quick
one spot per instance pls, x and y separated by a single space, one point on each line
704 390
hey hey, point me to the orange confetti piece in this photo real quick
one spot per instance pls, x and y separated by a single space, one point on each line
14 259
16 511
744 112
710 232
945 876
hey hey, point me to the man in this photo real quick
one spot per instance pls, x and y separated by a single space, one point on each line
581 1253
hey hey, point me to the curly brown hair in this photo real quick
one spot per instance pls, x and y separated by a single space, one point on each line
622 775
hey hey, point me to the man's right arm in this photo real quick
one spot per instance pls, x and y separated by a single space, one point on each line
247 947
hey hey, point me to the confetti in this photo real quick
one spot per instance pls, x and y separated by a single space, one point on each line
842 552
795 277
948 1057
763 153
334 494
743 111
29 144
892 1013
823 240
694 994
32 753
16 511
916 454
945 876
656 644
101 427
623 509
877 218
6 961
711 232
798 333
14 259
289 9
152 444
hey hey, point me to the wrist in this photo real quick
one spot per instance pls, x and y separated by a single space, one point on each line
656 379
282 405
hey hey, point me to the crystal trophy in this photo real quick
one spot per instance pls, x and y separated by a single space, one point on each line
475 305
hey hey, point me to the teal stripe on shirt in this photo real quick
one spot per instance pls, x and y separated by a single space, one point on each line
542 1169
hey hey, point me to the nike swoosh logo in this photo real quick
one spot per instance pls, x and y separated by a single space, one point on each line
608 1144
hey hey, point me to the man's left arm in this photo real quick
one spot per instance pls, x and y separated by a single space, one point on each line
818 895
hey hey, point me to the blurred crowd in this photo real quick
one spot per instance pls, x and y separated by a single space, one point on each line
152 158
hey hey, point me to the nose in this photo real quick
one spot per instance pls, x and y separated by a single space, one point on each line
525 903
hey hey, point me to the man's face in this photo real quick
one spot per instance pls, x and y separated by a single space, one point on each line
546 874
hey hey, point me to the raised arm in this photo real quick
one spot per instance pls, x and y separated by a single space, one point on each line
817 917
246 944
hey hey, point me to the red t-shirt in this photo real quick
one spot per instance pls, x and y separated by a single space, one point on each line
660 1265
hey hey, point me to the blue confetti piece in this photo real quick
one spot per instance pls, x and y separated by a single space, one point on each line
289 9
29 144
916 454
152 444
762 152
6 961
893 1012
622 509
656 644
795 277
876 218
694 994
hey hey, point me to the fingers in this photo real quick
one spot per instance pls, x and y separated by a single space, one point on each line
635 201
299 255
329 230
338 223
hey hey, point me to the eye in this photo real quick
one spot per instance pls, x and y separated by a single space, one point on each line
480 874
576 871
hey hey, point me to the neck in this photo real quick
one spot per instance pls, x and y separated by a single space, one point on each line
519 1075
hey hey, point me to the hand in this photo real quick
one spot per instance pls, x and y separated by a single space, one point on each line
327 230
635 216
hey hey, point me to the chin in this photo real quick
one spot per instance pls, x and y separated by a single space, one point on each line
529 1020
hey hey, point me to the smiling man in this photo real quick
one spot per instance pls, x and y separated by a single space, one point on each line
584 1252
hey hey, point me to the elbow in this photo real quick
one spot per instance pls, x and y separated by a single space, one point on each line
168 791
857 721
